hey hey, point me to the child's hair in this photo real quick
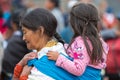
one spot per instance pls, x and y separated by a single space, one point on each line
41 17
84 18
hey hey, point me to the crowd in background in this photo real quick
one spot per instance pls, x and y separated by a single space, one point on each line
13 48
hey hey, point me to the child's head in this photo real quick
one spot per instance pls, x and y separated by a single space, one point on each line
84 19
38 26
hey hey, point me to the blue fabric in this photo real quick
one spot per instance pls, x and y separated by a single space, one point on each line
31 62
49 68
91 74
70 58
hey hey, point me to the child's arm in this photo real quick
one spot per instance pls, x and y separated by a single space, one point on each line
80 55
75 67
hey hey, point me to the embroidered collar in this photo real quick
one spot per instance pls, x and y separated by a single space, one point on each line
51 43
49 46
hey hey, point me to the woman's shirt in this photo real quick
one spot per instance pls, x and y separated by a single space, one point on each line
37 75
80 56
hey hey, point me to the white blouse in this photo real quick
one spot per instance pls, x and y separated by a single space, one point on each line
37 75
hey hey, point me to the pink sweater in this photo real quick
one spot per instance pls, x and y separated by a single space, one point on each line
81 60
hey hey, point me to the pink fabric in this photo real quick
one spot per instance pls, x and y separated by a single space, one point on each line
81 58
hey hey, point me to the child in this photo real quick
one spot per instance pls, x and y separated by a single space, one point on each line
87 49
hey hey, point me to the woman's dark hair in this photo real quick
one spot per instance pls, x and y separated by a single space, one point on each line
41 17
84 18
56 3
59 38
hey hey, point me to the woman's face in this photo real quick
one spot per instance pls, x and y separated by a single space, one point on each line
31 38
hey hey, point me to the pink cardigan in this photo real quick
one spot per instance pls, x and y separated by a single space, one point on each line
81 58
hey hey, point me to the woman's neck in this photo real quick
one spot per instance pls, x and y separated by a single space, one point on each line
43 43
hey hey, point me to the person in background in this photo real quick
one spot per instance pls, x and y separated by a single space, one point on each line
86 1
113 32
15 49
2 27
29 5
17 4
5 27
54 7
1 50
113 60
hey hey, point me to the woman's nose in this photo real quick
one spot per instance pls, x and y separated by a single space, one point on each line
23 37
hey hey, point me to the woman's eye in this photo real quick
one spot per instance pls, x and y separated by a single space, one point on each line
24 32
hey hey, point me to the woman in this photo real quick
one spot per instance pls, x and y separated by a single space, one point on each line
39 33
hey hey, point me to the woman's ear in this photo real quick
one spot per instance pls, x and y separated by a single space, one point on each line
41 31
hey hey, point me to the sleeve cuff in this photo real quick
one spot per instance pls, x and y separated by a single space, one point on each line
17 71
25 77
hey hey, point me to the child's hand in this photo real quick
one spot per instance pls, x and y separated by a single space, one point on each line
27 57
26 70
52 55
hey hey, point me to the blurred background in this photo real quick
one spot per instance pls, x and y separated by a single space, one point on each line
11 35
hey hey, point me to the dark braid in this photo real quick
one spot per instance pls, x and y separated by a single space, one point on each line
59 38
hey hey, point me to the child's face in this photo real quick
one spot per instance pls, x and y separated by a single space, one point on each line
30 37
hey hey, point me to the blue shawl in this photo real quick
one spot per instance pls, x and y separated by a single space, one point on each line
49 68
